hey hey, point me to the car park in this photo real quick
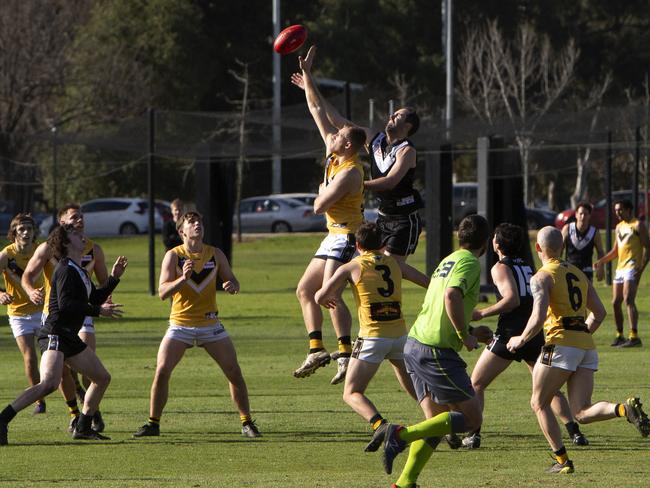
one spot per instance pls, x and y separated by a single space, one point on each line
117 216
276 213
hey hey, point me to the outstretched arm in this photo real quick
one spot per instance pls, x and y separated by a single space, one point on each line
540 286
333 115
505 283
413 275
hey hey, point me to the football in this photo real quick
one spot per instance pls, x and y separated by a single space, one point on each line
290 39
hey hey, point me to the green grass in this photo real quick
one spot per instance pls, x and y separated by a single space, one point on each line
311 438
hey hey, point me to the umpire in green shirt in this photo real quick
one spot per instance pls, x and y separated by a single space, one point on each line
439 374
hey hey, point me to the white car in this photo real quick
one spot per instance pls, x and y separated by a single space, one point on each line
116 216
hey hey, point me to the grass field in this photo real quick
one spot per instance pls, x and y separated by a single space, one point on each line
311 438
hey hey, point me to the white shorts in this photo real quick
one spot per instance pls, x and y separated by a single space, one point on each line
88 327
25 324
196 335
376 349
567 357
339 247
625 275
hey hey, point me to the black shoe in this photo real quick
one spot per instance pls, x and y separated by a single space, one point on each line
250 430
40 407
4 430
636 342
636 416
98 422
454 441
89 435
618 341
377 438
148 430
73 423
579 439
392 446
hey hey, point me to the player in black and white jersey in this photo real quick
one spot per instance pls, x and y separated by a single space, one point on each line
392 163
511 276
580 238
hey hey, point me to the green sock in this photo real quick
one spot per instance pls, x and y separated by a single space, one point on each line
419 454
434 427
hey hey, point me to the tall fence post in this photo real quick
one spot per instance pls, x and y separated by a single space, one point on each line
608 214
152 204
637 163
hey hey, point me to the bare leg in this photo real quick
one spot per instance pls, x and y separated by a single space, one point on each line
546 382
629 297
309 284
27 349
356 381
91 341
341 318
89 365
559 403
581 386
169 354
51 368
486 370
223 352
399 368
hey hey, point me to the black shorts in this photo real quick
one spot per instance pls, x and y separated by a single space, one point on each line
529 353
67 343
400 233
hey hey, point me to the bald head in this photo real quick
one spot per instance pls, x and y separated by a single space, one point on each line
550 241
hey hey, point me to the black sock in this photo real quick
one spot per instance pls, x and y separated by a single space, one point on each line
572 428
7 414
84 423
377 420
433 441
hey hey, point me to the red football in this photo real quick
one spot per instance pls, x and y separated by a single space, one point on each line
290 39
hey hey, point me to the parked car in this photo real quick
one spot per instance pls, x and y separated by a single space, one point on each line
370 211
599 212
273 213
539 217
113 216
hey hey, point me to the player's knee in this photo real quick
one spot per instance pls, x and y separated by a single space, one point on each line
304 294
629 301
103 379
617 301
49 385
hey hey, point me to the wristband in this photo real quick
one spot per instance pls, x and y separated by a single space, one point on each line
461 334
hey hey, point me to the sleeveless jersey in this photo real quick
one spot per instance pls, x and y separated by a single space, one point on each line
378 294
580 247
630 249
195 303
514 322
345 216
16 264
87 263
403 199
567 310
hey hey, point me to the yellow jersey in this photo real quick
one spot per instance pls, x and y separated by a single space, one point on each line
346 215
378 293
16 264
630 249
87 262
567 309
195 303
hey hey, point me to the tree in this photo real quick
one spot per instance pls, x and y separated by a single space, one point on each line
34 37
518 80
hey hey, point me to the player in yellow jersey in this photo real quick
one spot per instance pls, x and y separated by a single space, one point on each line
189 276
24 316
377 286
44 261
566 305
632 248
340 198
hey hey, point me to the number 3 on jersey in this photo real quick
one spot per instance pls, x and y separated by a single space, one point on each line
524 274
385 275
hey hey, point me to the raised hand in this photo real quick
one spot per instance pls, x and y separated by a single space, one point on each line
297 79
306 62
119 267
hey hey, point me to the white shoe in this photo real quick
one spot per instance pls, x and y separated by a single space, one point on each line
313 361
339 377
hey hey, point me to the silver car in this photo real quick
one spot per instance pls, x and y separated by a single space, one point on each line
271 213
